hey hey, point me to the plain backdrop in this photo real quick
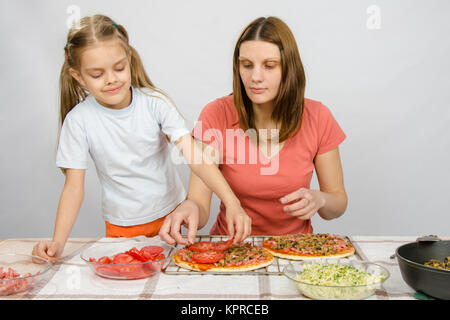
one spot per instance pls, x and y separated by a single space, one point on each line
382 67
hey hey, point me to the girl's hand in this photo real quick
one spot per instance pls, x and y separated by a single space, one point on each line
49 250
238 222
187 213
303 203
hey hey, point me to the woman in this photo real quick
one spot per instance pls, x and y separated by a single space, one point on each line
267 108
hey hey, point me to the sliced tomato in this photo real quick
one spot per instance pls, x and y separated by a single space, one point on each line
208 256
202 246
123 258
151 252
108 270
135 253
223 245
132 271
159 257
104 260
129 264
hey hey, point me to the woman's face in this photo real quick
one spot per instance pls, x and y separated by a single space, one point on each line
260 70
105 72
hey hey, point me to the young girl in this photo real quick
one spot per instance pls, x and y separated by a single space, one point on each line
111 111
268 95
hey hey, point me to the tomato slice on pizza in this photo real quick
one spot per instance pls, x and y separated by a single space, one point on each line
223 245
208 256
202 246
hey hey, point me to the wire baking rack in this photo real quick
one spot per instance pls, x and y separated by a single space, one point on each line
276 268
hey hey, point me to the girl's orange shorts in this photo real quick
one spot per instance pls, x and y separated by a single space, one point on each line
149 229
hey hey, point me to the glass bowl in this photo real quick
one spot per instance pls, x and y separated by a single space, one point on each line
20 273
125 271
319 291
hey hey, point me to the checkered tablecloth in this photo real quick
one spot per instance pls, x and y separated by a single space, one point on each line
72 278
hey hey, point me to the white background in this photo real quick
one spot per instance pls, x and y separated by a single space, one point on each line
388 88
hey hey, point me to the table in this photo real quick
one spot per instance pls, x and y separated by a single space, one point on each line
72 278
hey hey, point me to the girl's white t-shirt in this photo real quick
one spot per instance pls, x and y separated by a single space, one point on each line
132 156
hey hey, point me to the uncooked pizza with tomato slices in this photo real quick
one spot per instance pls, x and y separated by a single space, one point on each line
309 246
223 256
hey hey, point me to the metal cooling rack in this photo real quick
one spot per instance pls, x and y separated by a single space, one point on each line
276 268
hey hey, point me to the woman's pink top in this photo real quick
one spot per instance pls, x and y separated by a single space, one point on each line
257 181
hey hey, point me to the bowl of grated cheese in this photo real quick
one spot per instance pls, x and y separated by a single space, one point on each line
336 279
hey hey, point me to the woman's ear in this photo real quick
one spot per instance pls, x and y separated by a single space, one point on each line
77 76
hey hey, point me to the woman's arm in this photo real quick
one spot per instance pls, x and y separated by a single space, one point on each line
193 213
331 200
200 193
331 181
69 205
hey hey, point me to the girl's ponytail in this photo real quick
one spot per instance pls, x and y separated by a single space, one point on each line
71 92
139 77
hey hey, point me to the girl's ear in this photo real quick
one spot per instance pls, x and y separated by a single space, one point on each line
77 76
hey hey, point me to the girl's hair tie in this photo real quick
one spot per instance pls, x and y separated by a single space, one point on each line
66 48
116 25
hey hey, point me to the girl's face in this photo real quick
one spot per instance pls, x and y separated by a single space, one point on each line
260 70
105 72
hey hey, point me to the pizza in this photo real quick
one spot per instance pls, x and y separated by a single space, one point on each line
309 246
223 256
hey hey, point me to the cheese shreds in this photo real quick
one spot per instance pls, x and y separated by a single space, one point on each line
336 275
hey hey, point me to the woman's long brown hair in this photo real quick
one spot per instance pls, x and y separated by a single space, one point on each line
289 102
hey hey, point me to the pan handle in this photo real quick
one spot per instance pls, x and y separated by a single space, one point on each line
429 238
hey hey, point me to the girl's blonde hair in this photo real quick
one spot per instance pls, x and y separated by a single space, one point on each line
86 32
289 102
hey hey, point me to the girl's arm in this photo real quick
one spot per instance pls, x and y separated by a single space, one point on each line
69 205
205 179
205 167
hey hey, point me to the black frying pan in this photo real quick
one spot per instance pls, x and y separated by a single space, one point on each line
431 281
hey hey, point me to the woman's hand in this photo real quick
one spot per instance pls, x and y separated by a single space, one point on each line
49 250
187 214
238 222
303 203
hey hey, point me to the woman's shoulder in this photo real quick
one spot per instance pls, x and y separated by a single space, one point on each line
313 106
220 105
315 110
221 109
